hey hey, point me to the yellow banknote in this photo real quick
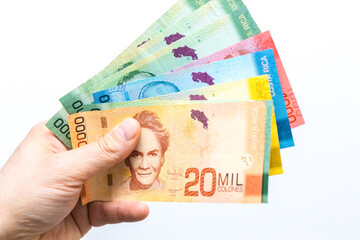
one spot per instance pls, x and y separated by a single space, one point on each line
188 152
255 88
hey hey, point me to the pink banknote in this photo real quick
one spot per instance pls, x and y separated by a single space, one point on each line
257 43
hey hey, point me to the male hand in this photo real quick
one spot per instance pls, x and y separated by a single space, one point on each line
41 183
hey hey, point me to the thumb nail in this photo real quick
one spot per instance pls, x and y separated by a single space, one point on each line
127 129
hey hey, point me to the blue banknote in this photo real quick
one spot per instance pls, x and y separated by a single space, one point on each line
250 65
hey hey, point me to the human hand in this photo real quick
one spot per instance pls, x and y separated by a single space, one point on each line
41 183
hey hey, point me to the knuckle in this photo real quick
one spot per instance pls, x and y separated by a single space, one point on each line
109 147
97 215
39 129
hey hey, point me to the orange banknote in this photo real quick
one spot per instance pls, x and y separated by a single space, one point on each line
199 151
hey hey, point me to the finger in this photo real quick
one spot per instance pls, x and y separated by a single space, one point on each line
114 147
101 213
80 215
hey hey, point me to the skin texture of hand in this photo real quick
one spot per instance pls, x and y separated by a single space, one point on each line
41 183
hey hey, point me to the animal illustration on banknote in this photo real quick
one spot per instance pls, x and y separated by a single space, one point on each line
146 160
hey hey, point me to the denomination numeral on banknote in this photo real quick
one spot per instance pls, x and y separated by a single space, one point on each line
77 105
202 182
104 98
290 105
223 181
80 131
63 127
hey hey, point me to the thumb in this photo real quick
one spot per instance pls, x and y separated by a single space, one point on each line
89 160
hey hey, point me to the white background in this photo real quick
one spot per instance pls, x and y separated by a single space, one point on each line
47 48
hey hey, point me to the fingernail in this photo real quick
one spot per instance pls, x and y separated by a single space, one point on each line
127 129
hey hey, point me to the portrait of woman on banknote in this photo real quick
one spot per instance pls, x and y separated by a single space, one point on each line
146 160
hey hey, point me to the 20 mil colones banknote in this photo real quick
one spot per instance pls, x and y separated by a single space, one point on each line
188 152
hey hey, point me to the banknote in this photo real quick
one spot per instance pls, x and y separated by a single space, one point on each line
183 51
255 88
254 64
197 152
256 43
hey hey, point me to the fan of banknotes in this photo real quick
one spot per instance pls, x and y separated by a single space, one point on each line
214 104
